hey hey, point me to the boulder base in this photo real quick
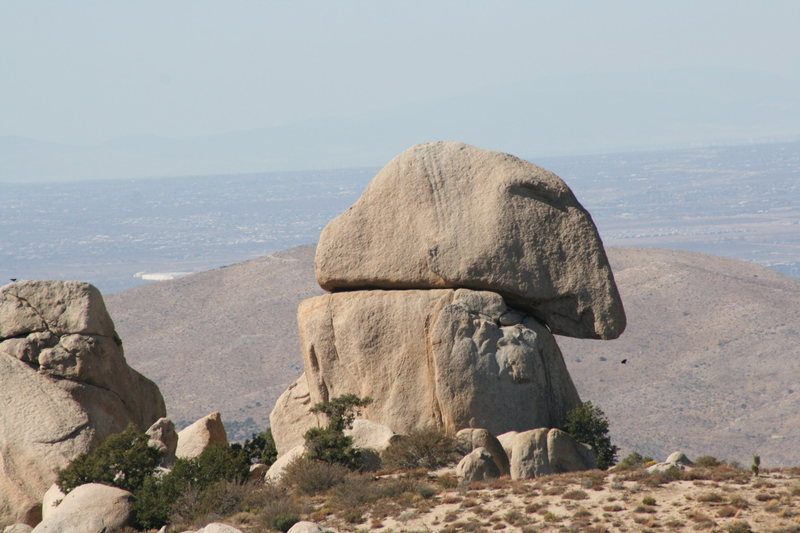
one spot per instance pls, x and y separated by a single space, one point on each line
543 451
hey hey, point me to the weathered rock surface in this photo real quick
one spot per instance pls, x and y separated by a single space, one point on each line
469 439
677 460
291 417
164 438
193 439
305 526
18 528
543 451
459 367
218 527
275 471
91 508
506 440
448 214
477 465
64 387
51 499
368 434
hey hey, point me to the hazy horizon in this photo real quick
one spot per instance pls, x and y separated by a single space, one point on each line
102 90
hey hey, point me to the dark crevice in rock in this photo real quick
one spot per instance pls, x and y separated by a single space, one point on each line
71 435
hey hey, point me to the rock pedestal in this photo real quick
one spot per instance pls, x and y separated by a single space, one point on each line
454 269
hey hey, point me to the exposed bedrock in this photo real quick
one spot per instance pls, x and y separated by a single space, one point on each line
445 358
64 387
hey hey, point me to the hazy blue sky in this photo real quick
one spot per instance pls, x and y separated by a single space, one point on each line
82 72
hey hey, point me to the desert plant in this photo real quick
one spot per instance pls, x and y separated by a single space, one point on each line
330 444
756 465
426 448
708 461
260 447
312 476
634 460
123 460
588 424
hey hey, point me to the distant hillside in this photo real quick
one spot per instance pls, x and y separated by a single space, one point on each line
711 348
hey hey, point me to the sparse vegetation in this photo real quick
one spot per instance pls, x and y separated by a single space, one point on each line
427 448
330 444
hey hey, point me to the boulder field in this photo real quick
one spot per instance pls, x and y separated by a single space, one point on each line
64 387
449 276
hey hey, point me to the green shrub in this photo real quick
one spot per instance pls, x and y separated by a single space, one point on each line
123 460
634 460
588 424
312 476
284 522
426 448
260 448
330 444
707 461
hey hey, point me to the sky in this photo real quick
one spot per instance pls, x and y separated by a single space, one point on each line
86 72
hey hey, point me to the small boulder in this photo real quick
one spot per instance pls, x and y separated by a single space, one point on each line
90 508
543 451
218 527
469 439
164 438
677 460
506 439
305 526
195 438
275 471
52 498
478 465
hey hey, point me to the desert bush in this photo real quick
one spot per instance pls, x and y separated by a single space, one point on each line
260 448
123 460
707 461
426 448
330 444
588 424
312 476
633 460
739 526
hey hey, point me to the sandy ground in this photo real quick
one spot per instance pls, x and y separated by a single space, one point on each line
597 501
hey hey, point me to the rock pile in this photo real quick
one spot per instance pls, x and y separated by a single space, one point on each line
64 387
449 276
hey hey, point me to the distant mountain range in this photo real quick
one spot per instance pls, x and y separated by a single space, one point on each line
592 113
711 347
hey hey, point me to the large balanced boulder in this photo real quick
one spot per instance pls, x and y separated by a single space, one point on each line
544 451
428 359
91 508
64 387
448 214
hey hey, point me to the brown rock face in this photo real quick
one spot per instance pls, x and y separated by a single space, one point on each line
451 215
64 387
429 358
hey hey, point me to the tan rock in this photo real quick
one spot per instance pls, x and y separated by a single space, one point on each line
218 527
544 451
91 508
193 439
431 358
477 465
64 387
277 469
18 528
368 434
305 526
258 471
164 438
469 439
51 499
448 214
291 417
506 440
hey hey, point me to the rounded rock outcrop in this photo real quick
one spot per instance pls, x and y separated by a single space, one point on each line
445 214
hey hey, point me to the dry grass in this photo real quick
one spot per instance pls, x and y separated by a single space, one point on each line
719 498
